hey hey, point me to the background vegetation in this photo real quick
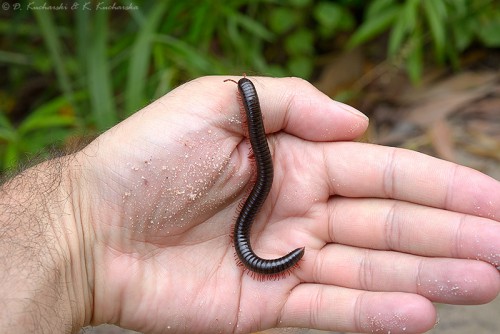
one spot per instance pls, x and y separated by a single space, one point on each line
67 73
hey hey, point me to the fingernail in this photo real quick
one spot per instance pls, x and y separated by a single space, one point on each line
351 110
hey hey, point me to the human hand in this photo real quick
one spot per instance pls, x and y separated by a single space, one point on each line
386 231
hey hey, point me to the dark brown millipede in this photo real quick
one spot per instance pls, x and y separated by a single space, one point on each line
260 190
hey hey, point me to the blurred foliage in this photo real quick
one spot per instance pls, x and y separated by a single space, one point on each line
447 27
73 72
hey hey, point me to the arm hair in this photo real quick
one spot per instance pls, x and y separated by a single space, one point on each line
39 292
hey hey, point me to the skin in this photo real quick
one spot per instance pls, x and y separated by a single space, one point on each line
144 240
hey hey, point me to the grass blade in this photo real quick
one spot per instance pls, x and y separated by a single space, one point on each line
49 115
414 62
436 18
99 82
51 39
251 25
374 26
186 55
140 58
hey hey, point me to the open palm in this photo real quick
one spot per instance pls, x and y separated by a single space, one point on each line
385 230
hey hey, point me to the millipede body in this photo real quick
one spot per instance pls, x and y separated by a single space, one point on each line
254 202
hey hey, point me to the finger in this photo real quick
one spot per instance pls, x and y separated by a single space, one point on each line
377 171
340 309
410 228
297 107
442 280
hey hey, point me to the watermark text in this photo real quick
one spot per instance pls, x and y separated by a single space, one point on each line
73 6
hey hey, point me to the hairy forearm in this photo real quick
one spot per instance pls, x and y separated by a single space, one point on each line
43 277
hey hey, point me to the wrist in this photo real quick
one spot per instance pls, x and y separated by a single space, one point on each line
76 243
44 285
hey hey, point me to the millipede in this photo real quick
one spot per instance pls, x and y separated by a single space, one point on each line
259 192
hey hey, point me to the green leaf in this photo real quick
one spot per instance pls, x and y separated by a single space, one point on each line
300 43
41 140
403 26
8 135
345 96
99 81
282 19
201 24
332 18
10 156
249 24
414 63
398 33
373 27
435 15
48 115
51 38
165 82
378 7
489 33
328 14
47 122
83 26
4 121
299 3
347 21
14 58
186 54
277 71
463 34
140 59
301 66
411 14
